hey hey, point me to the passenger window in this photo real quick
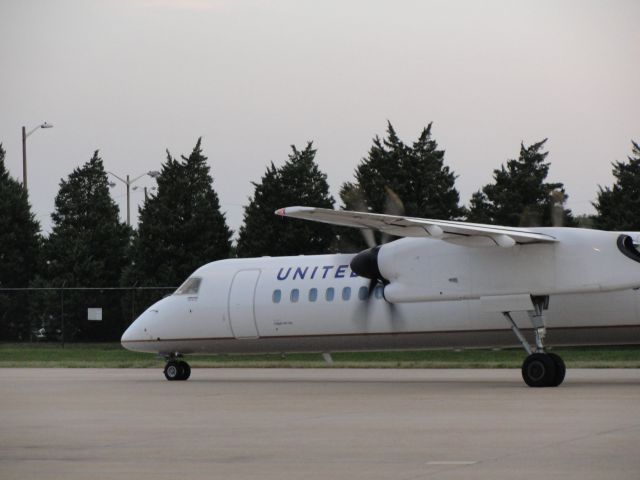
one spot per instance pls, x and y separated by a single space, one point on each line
295 295
379 292
346 293
189 287
363 293
313 294
329 294
277 296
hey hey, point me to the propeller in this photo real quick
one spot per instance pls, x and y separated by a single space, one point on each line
365 263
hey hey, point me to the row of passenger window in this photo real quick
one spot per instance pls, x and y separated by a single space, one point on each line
329 294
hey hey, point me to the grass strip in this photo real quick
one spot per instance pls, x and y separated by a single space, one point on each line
112 355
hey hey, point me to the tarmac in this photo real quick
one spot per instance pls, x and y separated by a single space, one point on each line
317 424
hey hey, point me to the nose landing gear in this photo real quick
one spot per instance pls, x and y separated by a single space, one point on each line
177 369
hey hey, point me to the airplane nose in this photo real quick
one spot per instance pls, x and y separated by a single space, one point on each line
128 336
139 332
138 336
135 333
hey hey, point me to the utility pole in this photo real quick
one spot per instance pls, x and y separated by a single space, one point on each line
128 201
128 182
24 158
25 134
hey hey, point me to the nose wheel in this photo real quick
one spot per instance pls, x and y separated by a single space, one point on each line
177 370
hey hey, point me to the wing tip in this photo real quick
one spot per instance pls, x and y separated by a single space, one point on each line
288 211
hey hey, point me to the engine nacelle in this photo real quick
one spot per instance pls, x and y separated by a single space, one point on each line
581 261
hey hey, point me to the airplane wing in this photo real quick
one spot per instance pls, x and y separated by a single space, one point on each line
401 226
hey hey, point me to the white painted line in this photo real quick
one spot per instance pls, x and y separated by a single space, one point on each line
452 462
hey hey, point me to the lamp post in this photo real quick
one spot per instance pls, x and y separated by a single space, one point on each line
128 182
146 195
25 134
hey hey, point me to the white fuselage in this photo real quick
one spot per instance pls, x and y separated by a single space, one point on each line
315 303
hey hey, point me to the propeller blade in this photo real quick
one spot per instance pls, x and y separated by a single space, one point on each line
392 206
364 304
369 237
372 286
393 311
355 201
558 198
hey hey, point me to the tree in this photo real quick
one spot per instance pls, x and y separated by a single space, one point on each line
585 221
519 195
87 248
400 178
20 244
298 182
618 206
416 173
181 227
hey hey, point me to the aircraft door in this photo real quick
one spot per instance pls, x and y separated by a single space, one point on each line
242 302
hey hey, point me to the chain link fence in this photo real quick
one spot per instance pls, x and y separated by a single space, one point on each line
72 314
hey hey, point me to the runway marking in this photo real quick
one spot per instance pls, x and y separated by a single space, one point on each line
452 462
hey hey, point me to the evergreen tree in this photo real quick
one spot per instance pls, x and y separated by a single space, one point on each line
618 206
298 182
429 185
181 227
399 178
19 249
585 221
87 248
479 208
519 195
376 174
415 173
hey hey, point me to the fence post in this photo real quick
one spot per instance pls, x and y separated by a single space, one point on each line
62 313
133 303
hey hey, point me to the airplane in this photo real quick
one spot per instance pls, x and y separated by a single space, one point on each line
443 284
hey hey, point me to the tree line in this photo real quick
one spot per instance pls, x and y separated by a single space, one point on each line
181 225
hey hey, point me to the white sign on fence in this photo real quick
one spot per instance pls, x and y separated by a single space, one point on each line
94 314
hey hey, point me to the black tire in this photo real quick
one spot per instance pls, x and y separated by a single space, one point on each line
561 369
539 370
186 371
173 370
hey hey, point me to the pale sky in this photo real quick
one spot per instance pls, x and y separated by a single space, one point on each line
133 78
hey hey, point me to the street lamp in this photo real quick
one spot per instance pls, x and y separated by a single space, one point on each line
146 195
25 134
128 182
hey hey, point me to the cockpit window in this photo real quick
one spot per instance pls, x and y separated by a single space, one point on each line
189 287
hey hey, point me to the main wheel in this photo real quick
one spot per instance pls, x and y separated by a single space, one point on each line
561 369
539 370
173 370
186 371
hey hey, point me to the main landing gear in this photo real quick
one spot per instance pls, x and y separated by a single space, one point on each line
177 369
539 369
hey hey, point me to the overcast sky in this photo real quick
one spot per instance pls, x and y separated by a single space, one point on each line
133 78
